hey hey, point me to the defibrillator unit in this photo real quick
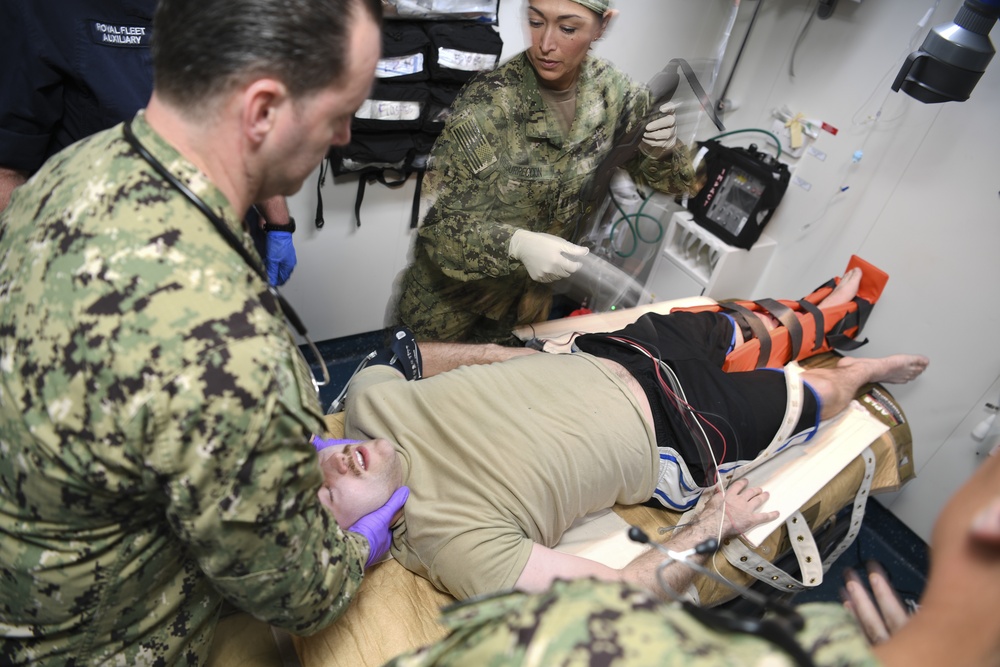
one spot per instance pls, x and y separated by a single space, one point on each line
743 187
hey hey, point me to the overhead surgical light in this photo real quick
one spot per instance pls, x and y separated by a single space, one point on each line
953 56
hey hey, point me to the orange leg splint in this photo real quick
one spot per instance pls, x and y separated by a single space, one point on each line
806 329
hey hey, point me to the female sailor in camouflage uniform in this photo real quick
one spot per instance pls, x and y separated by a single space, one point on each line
502 190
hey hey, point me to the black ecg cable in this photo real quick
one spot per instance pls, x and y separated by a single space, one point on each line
689 416
779 627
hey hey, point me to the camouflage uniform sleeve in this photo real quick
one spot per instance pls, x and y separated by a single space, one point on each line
241 481
590 622
672 174
463 231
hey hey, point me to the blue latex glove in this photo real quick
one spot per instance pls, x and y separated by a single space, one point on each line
374 527
280 257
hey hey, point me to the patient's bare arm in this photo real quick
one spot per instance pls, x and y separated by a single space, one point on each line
441 357
731 516
723 515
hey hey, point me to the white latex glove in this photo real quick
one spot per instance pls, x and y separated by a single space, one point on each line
661 133
546 257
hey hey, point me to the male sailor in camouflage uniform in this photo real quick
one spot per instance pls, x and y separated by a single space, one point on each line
502 190
155 411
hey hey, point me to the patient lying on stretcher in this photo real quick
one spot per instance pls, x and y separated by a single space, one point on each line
502 458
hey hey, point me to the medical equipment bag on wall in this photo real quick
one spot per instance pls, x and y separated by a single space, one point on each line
423 67
432 10
405 50
742 188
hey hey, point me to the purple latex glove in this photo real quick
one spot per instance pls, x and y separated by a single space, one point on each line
322 443
374 527
280 257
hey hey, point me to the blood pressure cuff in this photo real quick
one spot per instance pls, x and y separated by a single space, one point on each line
460 50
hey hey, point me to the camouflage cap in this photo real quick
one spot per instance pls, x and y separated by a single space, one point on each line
599 6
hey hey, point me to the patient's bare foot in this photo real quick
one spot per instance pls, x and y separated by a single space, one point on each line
894 369
845 290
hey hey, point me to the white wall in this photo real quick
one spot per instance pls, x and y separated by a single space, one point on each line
922 203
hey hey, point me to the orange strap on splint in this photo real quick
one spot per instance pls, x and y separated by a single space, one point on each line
806 328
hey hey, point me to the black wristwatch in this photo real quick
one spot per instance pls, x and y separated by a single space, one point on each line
290 227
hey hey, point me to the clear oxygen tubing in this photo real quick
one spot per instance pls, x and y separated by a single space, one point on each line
603 282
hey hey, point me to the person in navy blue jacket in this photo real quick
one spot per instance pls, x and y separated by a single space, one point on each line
75 68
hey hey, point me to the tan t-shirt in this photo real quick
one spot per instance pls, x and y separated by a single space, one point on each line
498 457
562 103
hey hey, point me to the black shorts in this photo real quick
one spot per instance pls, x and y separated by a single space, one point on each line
739 412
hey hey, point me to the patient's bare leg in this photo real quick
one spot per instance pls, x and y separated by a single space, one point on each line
845 290
441 357
837 386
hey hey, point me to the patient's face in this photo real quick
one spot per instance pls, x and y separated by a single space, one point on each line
358 479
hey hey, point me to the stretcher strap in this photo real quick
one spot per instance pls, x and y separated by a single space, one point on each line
818 320
803 544
806 552
380 175
759 330
787 317
858 509
838 339
794 402
323 166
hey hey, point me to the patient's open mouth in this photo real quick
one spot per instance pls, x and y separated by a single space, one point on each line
357 460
